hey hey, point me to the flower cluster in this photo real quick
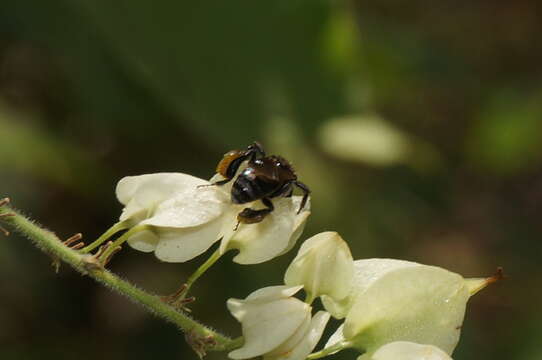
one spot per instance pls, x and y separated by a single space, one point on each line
186 215
390 309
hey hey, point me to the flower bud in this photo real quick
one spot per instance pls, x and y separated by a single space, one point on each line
276 325
324 266
395 300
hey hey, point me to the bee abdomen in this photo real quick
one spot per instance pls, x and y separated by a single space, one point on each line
245 190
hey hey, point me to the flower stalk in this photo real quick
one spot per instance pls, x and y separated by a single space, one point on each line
112 248
196 275
88 265
121 225
341 345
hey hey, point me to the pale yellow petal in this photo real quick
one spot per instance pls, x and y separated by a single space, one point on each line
265 240
308 342
366 272
266 326
144 241
404 350
323 265
422 304
180 245
189 207
273 293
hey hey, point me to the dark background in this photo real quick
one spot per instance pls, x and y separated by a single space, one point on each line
418 126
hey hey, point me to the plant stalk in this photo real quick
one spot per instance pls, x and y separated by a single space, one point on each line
88 265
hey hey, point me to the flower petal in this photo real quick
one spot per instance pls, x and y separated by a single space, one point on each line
264 295
180 245
133 212
337 337
263 241
144 241
324 265
288 346
142 194
228 227
266 326
299 222
149 187
192 206
366 272
423 304
273 293
308 342
404 350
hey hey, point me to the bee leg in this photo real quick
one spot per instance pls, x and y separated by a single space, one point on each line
285 190
251 216
306 192
255 149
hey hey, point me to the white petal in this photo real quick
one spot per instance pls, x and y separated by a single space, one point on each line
133 212
404 350
299 222
180 245
238 308
288 346
273 293
266 326
423 304
228 227
263 241
230 222
263 295
142 194
366 272
310 339
144 241
129 187
324 265
189 207
337 336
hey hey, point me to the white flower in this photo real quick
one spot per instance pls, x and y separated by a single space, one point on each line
324 266
366 272
276 325
404 350
394 300
186 218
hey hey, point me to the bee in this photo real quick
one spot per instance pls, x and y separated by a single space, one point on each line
264 178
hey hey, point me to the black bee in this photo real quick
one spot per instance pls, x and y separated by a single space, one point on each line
264 178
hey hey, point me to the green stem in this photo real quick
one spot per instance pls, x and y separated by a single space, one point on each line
309 298
88 265
195 276
117 243
122 225
341 345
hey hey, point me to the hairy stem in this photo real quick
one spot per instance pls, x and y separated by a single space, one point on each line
88 265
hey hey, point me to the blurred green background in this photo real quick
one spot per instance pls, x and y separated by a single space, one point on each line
418 126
